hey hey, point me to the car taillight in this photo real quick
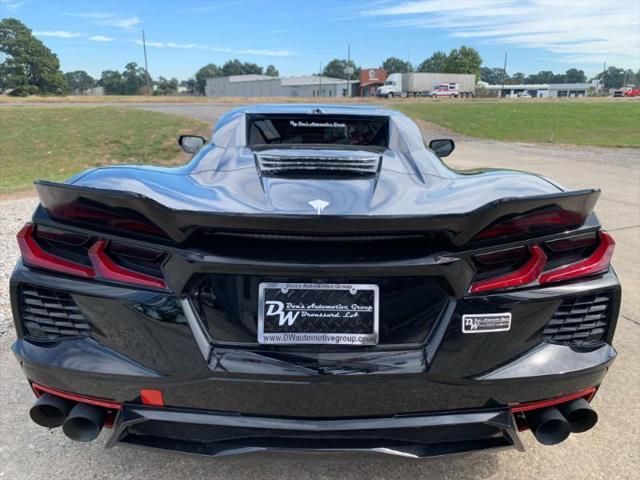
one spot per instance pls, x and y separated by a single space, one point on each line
84 256
597 262
526 274
552 219
568 259
106 268
34 256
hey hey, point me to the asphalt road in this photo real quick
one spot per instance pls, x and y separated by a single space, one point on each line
611 449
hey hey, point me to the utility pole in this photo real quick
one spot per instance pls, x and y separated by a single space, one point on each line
349 70
504 71
146 64
320 81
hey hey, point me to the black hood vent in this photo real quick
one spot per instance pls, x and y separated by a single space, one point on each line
318 164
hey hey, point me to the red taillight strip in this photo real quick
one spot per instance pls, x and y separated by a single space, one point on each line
597 262
41 389
587 393
35 256
108 269
526 274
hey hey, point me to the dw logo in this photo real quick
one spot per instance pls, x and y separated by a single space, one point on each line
471 323
276 308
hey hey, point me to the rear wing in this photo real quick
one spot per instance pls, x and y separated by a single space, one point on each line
118 212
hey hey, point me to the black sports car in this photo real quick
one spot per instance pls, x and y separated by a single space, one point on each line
315 278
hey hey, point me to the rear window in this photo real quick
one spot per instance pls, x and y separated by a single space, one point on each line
317 130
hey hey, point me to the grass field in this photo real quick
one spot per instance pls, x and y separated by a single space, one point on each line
599 123
55 142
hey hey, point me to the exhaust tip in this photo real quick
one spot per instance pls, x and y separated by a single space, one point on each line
580 415
548 425
50 411
84 422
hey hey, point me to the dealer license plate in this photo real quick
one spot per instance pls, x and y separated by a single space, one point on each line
318 314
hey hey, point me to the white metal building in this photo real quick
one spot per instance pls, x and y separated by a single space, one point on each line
264 86
551 90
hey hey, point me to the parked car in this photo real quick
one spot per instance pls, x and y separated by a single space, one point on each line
315 278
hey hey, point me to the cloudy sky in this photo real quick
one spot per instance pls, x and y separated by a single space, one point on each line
297 36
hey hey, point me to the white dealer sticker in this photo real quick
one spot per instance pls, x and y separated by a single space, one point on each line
486 322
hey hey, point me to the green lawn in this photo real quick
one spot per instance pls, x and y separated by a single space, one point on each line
53 143
600 123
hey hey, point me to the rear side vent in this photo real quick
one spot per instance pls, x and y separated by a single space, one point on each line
318 165
580 321
51 315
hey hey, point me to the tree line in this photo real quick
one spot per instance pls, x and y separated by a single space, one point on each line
31 68
458 60
612 77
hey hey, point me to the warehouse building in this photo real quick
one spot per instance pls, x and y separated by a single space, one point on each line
264 86
550 90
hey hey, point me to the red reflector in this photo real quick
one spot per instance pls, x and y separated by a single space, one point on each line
41 389
152 397
526 274
597 262
587 393
108 269
34 256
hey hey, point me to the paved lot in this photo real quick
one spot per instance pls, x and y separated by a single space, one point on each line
611 450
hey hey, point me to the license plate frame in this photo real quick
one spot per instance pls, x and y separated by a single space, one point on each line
352 290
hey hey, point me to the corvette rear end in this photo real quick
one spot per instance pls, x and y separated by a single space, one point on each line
314 279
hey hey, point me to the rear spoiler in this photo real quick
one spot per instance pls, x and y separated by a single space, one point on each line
118 212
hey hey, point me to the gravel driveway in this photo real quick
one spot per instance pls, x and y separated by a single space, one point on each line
611 450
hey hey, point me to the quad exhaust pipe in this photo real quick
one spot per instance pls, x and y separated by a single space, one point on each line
84 422
79 421
50 411
552 425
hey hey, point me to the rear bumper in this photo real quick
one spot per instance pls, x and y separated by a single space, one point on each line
219 434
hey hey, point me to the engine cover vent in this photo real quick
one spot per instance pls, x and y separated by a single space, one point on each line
325 164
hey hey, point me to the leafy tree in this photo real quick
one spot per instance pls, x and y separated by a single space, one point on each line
396 65
337 68
208 71
28 67
573 75
79 81
272 71
614 77
493 76
558 78
166 87
543 76
134 79
463 60
112 82
189 85
436 63
251 68
517 78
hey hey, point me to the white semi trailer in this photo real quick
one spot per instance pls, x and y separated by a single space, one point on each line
422 84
